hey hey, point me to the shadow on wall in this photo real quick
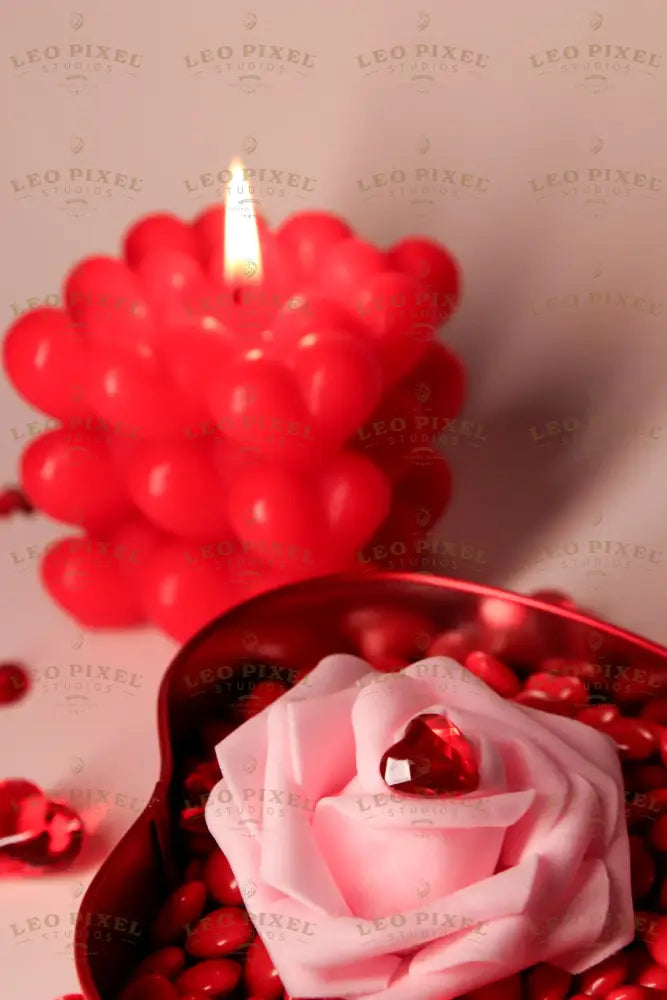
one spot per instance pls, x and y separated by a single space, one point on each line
558 411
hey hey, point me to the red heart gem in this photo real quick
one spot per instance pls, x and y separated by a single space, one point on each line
433 758
34 831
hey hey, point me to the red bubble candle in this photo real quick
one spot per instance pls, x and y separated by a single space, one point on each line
228 398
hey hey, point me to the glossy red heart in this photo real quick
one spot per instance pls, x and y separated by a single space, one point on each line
303 521
398 318
303 414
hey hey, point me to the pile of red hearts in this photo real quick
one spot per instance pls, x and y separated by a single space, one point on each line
213 441
203 942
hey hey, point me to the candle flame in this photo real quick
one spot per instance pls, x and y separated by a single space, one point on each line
242 256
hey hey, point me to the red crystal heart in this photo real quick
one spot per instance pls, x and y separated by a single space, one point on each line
433 758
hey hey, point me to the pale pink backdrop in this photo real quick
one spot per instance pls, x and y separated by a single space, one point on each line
528 137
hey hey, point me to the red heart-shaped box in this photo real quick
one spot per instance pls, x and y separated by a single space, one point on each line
293 627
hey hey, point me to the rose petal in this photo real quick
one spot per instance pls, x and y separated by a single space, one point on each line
581 921
333 673
322 742
601 767
345 939
242 760
292 860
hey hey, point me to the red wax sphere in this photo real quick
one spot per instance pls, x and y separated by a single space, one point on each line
436 388
215 978
145 402
131 543
174 484
260 975
391 307
88 582
220 932
291 521
276 513
257 403
348 263
219 879
340 381
182 591
159 231
167 276
193 352
431 264
308 236
72 479
106 301
44 356
14 682
356 497
305 313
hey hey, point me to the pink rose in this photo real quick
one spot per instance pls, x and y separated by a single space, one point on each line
358 890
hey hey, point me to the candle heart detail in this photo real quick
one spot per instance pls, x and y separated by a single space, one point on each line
303 413
432 758
295 519
399 318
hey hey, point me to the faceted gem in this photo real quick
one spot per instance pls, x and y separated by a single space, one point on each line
433 758
34 831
